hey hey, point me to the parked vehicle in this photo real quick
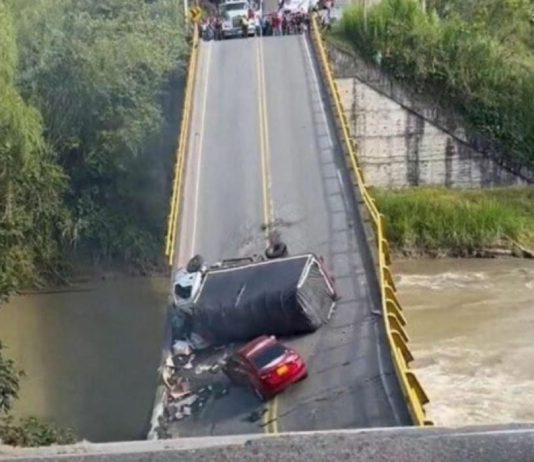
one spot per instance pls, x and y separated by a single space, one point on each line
266 366
187 282
232 13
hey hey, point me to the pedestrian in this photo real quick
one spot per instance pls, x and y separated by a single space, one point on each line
285 25
328 5
257 23
218 28
244 26
277 24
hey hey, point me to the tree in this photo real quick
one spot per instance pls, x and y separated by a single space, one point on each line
9 383
31 184
100 83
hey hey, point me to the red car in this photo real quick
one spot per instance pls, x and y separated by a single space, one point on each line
265 365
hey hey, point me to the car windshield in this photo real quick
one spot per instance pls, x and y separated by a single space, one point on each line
182 292
233 7
268 355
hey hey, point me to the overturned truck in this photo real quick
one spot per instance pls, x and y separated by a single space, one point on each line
283 297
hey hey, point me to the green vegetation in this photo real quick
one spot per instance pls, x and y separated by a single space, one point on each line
32 432
457 222
88 121
31 182
29 431
89 97
476 56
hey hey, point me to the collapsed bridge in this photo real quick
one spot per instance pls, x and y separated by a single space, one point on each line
265 145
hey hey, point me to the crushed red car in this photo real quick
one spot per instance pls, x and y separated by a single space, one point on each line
265 365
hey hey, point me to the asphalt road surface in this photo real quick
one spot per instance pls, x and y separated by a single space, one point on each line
263 151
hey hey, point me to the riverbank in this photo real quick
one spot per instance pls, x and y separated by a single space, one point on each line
77 270
441 222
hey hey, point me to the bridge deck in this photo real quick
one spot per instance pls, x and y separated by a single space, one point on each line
262 150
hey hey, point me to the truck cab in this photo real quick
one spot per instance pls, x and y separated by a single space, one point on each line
185 287
231 12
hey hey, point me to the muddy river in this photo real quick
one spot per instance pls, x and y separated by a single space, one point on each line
91 355
471 324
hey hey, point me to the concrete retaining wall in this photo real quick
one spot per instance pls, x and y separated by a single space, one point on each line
404 140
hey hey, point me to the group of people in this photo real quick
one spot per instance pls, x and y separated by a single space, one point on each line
285 23
281 22
212 26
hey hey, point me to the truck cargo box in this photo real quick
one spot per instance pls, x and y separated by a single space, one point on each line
282 297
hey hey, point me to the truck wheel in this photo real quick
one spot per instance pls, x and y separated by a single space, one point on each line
195 264
277 250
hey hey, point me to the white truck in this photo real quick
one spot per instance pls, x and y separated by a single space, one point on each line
232 13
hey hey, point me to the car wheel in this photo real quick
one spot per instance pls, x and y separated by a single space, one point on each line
277 250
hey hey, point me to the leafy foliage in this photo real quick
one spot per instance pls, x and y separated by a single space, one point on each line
28 431
476 56
9 383
88 100
100 87
88 103
31 184
33 432
457 221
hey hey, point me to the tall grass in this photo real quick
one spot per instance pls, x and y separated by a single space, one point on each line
456 221
462 61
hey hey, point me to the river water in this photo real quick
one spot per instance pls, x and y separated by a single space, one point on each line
90 355
471 324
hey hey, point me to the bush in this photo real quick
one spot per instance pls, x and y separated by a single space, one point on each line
28 431
88 97
457 221
9 383
33 432
474 56
31 183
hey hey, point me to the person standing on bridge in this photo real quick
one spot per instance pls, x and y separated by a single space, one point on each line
218 28
329 4
244 26
277 24
258 24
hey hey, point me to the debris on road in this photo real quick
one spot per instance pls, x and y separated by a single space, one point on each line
236 300
201 368
256 415
181 348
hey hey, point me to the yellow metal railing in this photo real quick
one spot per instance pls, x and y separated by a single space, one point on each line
394 320
174 211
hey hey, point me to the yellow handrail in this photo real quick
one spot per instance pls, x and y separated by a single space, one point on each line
174 210
394 321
